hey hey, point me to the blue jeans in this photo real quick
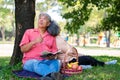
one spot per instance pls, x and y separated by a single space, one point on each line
43 67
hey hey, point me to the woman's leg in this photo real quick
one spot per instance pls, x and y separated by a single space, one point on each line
88 60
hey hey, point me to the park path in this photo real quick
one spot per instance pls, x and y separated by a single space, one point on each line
99 52
7 50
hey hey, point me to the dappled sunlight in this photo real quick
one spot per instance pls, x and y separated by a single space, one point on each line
92 27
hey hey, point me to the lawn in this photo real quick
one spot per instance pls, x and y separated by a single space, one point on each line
108 72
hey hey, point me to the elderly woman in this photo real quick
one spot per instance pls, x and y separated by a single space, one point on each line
70 53
35 42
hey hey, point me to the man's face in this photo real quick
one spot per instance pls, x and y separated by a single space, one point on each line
43 21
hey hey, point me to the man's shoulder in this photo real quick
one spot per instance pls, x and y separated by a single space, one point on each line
31 30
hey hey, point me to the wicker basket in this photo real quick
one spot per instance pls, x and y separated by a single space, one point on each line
69 71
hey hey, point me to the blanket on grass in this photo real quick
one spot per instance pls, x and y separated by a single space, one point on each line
27 74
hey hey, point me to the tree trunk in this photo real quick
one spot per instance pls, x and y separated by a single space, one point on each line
108 37
84 41
3 33
77 40
24 19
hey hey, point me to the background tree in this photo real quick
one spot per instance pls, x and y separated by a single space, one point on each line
24 19
45 5
80 10
4 15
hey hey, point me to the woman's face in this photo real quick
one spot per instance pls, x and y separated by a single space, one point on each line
43 21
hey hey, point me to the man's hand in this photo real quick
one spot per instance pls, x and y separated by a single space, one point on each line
51 57
38 40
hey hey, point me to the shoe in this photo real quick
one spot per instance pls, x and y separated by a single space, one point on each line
86 66
111 62
57 76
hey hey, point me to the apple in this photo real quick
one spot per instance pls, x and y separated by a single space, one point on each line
75 66
79 68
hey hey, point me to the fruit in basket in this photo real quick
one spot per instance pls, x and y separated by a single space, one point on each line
69 65
79 68
73 65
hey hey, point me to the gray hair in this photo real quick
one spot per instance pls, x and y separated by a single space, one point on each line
45 14
53 28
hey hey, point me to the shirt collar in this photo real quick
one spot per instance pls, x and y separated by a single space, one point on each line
45 34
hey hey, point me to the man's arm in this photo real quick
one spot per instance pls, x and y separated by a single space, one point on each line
27 47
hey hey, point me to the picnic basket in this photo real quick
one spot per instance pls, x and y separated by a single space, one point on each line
69 71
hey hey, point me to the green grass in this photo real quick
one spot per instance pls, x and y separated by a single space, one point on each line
108 72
